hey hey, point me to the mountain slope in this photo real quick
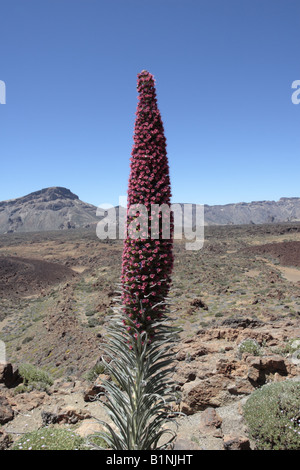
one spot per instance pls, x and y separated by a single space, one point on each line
48 209
257 212
58 208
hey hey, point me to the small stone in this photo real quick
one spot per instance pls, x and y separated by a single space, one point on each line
96 388
5 440
185 444
210 423
233 442
88 427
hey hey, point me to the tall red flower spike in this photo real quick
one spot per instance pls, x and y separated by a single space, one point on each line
147 260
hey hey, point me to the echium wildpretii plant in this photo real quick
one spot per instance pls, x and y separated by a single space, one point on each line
147 255
140 341
141 393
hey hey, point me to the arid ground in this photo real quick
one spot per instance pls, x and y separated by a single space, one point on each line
57 290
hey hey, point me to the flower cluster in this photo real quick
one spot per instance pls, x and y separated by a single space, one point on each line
147 259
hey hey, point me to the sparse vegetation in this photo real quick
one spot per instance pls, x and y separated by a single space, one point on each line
249 346
93 322
95 371
34 378
292 346
49 438
272 414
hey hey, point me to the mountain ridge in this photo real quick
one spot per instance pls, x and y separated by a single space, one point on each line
57 208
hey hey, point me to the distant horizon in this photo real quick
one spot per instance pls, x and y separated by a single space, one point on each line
173 202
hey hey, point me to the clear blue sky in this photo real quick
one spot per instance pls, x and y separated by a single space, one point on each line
223 70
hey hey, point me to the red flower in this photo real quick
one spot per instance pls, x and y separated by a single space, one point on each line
149 183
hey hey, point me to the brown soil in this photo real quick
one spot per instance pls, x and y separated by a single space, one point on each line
29 276
287 253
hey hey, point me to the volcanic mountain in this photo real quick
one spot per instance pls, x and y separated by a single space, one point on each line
287 209
45 210
58 208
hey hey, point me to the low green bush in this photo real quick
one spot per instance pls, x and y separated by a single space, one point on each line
272 414
49 438
249 346
93 373
27 339
292 346
90 313
34 378
92 322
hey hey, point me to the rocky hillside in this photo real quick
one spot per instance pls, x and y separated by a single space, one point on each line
58 209
257 212
45 210
242 213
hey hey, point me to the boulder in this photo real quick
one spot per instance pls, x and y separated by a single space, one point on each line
8 376
24 402
234 442
67 415
5 440
89 427
261 367
201 394
6 412
91 393
210 423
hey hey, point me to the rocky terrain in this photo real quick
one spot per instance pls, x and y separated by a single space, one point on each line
58 208
19 276
237 301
